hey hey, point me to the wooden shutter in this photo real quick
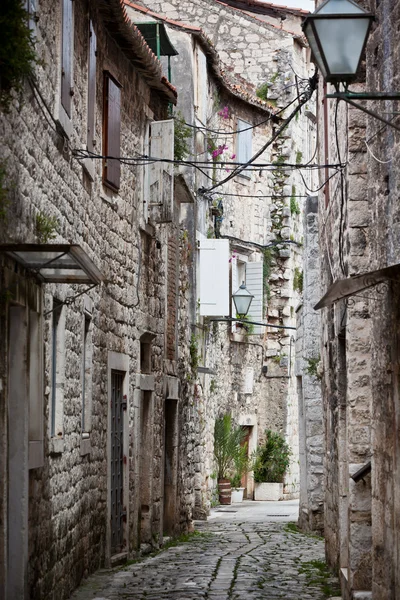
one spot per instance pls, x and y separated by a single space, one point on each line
161 175
254 283
91 104
214 277
112 131
244 143
66 57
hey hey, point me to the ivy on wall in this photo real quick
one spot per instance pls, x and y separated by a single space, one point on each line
17 50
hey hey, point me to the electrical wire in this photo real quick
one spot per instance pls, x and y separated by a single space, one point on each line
342 193
233 132
305 98
143 160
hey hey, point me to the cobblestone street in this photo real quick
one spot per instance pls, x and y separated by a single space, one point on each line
252 550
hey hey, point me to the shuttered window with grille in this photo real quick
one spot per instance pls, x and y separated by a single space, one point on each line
111 132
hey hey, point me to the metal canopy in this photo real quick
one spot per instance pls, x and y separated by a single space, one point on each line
157 38
55 263
358 283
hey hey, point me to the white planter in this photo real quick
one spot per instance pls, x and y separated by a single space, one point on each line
237 495
268 491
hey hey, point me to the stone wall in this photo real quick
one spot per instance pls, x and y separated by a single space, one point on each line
69 499
383 180
311 425
252 52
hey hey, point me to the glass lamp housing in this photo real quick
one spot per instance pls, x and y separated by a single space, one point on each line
242 300
337 33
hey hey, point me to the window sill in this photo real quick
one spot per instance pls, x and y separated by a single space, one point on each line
86 445
56 445
64 121
89 168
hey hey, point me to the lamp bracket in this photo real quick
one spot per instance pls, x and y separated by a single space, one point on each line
349 97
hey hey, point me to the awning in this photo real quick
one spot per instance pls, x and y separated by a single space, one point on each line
157 38
55 263
357 283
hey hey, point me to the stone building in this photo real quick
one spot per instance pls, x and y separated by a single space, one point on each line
358 234
89 392
241 52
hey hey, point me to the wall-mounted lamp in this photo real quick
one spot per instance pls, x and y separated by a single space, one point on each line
337 33
242 300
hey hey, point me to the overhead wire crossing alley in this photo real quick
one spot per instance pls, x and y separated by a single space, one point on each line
250 550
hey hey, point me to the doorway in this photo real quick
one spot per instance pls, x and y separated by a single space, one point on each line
170 466
118 514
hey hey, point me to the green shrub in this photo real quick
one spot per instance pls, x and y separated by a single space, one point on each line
271 459
182 133
227 445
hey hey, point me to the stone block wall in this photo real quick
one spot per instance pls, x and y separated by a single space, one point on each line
68 503
311 425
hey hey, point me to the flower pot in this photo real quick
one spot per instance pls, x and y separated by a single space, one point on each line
237 495
268 491
225 491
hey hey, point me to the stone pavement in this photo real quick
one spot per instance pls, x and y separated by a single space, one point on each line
250 550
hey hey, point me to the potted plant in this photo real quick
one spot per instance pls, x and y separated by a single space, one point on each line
227 440
270 465
241 466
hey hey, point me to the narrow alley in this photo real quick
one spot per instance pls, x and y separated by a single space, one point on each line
251 550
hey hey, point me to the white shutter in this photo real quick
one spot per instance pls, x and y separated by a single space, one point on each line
214 278
254 283
244 142
235 286
161 174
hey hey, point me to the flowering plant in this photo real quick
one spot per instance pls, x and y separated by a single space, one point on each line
224 112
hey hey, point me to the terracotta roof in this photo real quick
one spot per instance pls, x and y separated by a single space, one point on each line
135 47
238 86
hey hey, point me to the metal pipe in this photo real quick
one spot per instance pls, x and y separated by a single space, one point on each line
343 96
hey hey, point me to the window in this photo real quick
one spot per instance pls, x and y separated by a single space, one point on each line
213 292
111 131
91 101
66 56
57 369
251 273
244 142
201 86
87 355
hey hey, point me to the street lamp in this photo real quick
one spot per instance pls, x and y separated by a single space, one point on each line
242 300
337 33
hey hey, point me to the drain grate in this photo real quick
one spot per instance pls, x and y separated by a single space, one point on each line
277 515
233 511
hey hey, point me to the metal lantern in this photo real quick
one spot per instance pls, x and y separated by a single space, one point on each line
337 33
242 300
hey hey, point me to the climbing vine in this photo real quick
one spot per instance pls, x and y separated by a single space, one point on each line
17 50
